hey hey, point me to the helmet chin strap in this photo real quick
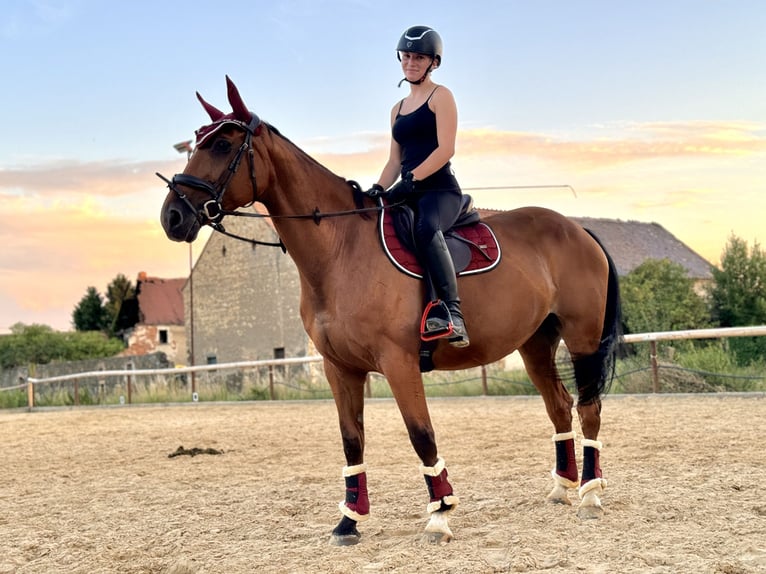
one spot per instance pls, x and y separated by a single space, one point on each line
421 80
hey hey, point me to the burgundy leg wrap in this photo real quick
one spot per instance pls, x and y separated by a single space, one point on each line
438 486
566 463
591 467
357 500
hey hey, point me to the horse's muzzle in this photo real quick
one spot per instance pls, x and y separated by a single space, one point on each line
179 223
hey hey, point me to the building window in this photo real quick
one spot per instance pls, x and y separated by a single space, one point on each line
163 334
212 360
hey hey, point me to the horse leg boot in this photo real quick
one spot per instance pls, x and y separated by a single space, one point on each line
592 484
442 273
565 472
355 508
442 502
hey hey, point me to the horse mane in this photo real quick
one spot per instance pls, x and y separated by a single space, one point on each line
356 189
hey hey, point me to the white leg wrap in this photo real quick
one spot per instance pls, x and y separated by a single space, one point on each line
597 444
564 436
565 482
434 470
354 470
595 486
347 512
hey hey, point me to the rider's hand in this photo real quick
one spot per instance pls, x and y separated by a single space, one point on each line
403 188
375 191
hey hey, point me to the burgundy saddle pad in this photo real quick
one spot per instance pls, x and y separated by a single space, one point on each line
474 248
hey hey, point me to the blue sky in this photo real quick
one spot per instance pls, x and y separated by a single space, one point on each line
652 111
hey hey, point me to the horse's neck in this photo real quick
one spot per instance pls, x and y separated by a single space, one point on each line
301 186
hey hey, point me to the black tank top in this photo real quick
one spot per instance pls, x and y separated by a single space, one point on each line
416 135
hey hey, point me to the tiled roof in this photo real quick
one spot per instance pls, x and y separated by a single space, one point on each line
160 301
630 243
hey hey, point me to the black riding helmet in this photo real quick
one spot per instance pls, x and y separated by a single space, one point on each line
421 40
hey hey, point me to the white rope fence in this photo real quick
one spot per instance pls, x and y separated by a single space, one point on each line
30 382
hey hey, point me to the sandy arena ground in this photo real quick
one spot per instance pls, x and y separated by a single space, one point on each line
93 490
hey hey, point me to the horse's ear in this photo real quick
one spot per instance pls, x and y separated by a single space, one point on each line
240 109
214 113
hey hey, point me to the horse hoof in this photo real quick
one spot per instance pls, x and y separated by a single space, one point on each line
440 538
559 495
590 512
344 539
345 534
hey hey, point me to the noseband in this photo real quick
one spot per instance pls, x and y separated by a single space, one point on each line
211 213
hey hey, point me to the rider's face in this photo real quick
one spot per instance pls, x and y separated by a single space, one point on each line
414 65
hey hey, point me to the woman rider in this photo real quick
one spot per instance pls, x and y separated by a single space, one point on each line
423 130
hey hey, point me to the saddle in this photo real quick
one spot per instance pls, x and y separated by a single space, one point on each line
471 242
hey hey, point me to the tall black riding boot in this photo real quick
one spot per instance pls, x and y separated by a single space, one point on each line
438 262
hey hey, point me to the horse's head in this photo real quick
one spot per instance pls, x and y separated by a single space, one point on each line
212 182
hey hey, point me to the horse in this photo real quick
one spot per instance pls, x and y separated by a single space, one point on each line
555 282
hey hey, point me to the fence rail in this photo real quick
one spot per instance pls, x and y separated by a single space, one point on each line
29 383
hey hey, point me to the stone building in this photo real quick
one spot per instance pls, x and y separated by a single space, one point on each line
242 300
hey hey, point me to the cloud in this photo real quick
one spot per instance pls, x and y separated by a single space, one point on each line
103 179
600 147
621 144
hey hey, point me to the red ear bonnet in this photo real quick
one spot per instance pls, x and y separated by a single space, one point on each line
241 116
214 113
240 109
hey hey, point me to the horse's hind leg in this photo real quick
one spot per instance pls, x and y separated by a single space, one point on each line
348 391
589 372
539 355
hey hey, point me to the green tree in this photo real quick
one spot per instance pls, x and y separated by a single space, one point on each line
659 296
120 313
90 314
738 296
40 344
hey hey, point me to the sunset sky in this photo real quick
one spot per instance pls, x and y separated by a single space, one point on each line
652 111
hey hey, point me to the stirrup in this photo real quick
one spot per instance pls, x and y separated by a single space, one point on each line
436 321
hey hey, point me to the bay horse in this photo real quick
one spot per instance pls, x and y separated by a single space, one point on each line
554 282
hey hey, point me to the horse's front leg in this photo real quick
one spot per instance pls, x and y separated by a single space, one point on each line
407 387
348 391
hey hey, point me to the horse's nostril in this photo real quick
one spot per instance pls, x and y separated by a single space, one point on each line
174 218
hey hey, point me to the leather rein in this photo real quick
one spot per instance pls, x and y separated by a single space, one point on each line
212 212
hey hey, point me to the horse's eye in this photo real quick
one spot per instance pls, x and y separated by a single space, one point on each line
222 146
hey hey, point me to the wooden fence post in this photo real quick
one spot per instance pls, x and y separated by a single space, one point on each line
655 367
30 395
484 390
130 382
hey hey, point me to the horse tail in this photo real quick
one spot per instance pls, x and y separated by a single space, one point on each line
594 373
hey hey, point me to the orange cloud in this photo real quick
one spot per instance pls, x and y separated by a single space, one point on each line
603 147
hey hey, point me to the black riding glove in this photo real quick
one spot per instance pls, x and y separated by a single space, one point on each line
404 188
375 191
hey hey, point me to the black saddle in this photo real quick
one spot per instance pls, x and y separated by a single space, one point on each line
403 218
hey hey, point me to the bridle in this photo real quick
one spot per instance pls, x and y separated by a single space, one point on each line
211 212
